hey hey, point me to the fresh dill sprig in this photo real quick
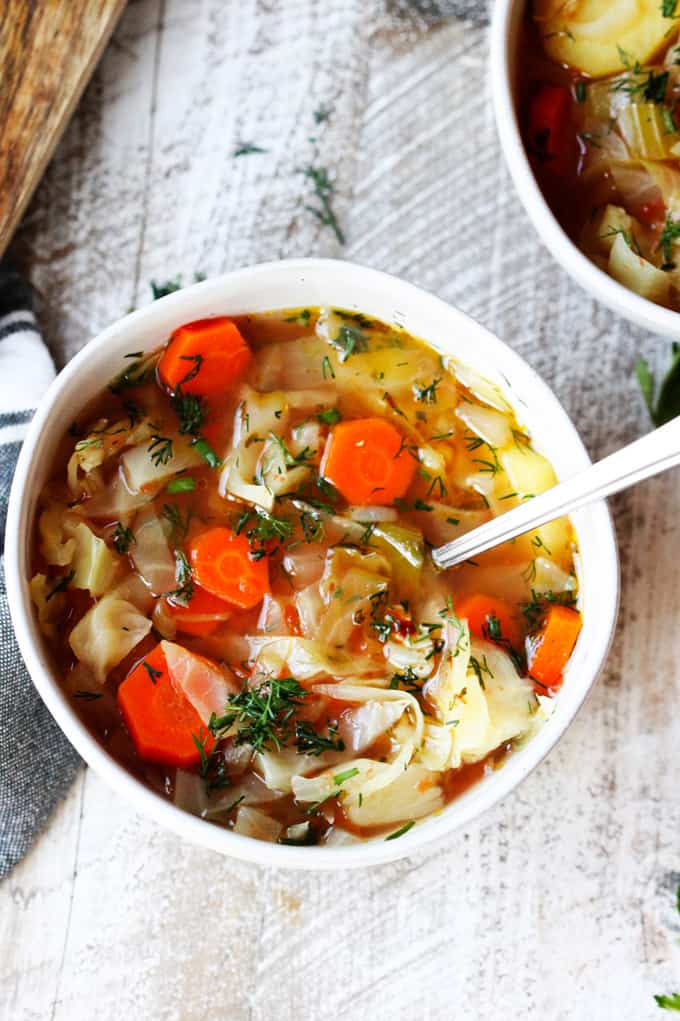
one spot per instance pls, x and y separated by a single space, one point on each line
324 189
161 450
263 715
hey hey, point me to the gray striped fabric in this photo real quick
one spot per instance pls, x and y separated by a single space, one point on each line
37 763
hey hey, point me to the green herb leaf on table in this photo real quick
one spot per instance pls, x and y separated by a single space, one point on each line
247 149
667 404
671 1002
324 189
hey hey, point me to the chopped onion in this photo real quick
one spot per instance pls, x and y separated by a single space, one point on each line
304 564
373 513
252 823
490 425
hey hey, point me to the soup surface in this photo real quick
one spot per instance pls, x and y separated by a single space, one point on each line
232 570
599 85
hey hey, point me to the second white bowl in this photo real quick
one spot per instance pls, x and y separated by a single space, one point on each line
505 32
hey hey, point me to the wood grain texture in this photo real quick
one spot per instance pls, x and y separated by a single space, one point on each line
559 904
48 51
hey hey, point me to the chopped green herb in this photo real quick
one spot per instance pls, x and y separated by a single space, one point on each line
402 830
480 669
247 149
671 1002
536 608
638 83
185 582
668 121
151 671
309 742
142 371
134 412
350 339
289 459
302 317
438 484
88 696
669 234
263 715
161 450
580 91
200 741
427 394
329 417
339 778
204 450
407 681
191 411
122 537
178 522
326 367
61 585
390 401
194 370
314 809
668 8
261 529
182 485
169 287
322 113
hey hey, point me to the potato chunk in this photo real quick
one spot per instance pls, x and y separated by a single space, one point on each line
595 35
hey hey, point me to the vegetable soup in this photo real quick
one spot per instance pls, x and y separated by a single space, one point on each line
599 85
232 571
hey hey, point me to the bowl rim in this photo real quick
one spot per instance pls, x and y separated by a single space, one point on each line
485 794
506 16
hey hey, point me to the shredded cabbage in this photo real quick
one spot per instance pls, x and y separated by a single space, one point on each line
107 633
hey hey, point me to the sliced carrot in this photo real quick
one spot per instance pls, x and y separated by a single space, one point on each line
366 461
202 615
223 565
292 619
205 357
161 720
550 651
491 618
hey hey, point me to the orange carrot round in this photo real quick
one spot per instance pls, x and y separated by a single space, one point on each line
202 615
222 565
491 619
205 357
366 461
161 720
549 652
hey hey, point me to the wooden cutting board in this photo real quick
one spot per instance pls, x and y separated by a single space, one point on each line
48 51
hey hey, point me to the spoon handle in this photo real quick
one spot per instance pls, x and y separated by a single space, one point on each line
650 455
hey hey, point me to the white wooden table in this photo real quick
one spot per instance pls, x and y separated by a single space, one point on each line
559 904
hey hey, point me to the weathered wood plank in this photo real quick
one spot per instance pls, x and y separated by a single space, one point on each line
47 52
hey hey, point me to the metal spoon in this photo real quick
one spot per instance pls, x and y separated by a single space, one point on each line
650 455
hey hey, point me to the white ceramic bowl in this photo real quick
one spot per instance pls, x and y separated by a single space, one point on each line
505 26
295 284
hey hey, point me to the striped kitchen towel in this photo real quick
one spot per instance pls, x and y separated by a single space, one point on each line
37 763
